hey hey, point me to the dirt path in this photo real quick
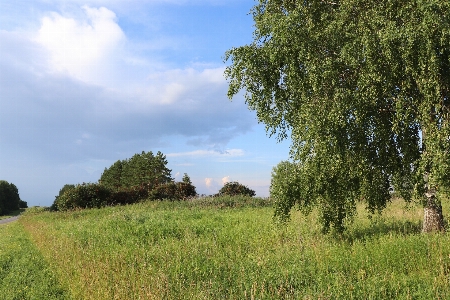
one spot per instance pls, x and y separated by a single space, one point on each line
8 220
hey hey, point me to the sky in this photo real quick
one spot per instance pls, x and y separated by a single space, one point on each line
84 83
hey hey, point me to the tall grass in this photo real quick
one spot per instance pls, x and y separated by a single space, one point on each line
24 273
213 250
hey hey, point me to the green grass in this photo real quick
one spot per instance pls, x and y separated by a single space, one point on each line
24 273
224 249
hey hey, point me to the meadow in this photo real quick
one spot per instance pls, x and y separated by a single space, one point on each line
221 248
24 273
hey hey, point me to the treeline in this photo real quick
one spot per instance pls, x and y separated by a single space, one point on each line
9 198
144 176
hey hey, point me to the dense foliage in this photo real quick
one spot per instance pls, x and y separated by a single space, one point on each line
64 189
235 188
173 191
9 198
144 168
92 195
362 88
84 195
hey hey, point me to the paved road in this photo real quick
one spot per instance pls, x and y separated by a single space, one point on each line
9 220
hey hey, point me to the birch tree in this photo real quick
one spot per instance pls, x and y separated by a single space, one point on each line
361 88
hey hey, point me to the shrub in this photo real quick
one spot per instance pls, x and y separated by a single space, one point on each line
173 191
235 188
90 195
23 204
185 190
65 188
129 195
163 191
86 195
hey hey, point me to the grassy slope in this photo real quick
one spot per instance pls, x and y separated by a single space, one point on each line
23 271
184 251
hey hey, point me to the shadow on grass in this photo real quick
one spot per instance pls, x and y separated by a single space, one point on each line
380 228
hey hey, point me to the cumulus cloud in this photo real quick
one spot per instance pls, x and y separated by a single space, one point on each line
208 182
225 179
212 185
189 85
53 112
82 48
74 99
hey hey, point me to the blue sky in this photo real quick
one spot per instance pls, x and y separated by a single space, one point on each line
85 83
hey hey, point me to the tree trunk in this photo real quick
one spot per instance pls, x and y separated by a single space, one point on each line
433 219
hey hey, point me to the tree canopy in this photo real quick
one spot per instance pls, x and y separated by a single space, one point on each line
235 188
145 168
361 88
9 198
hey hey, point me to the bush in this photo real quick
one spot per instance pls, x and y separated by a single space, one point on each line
235 188
129 195
163 191
173 191
185 190
92 195
65 188
86 195
23 204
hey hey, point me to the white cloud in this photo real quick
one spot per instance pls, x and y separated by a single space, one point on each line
188 87
82 48
229 152
212 185
208 182
75 89
225 179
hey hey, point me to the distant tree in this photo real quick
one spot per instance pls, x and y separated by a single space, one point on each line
186 179
112 176
363 90
23 204
141 169
9 197
235 188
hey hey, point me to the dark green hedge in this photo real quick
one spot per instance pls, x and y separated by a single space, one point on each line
92 195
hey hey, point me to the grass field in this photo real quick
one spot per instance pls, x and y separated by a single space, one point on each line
228 249
24 273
